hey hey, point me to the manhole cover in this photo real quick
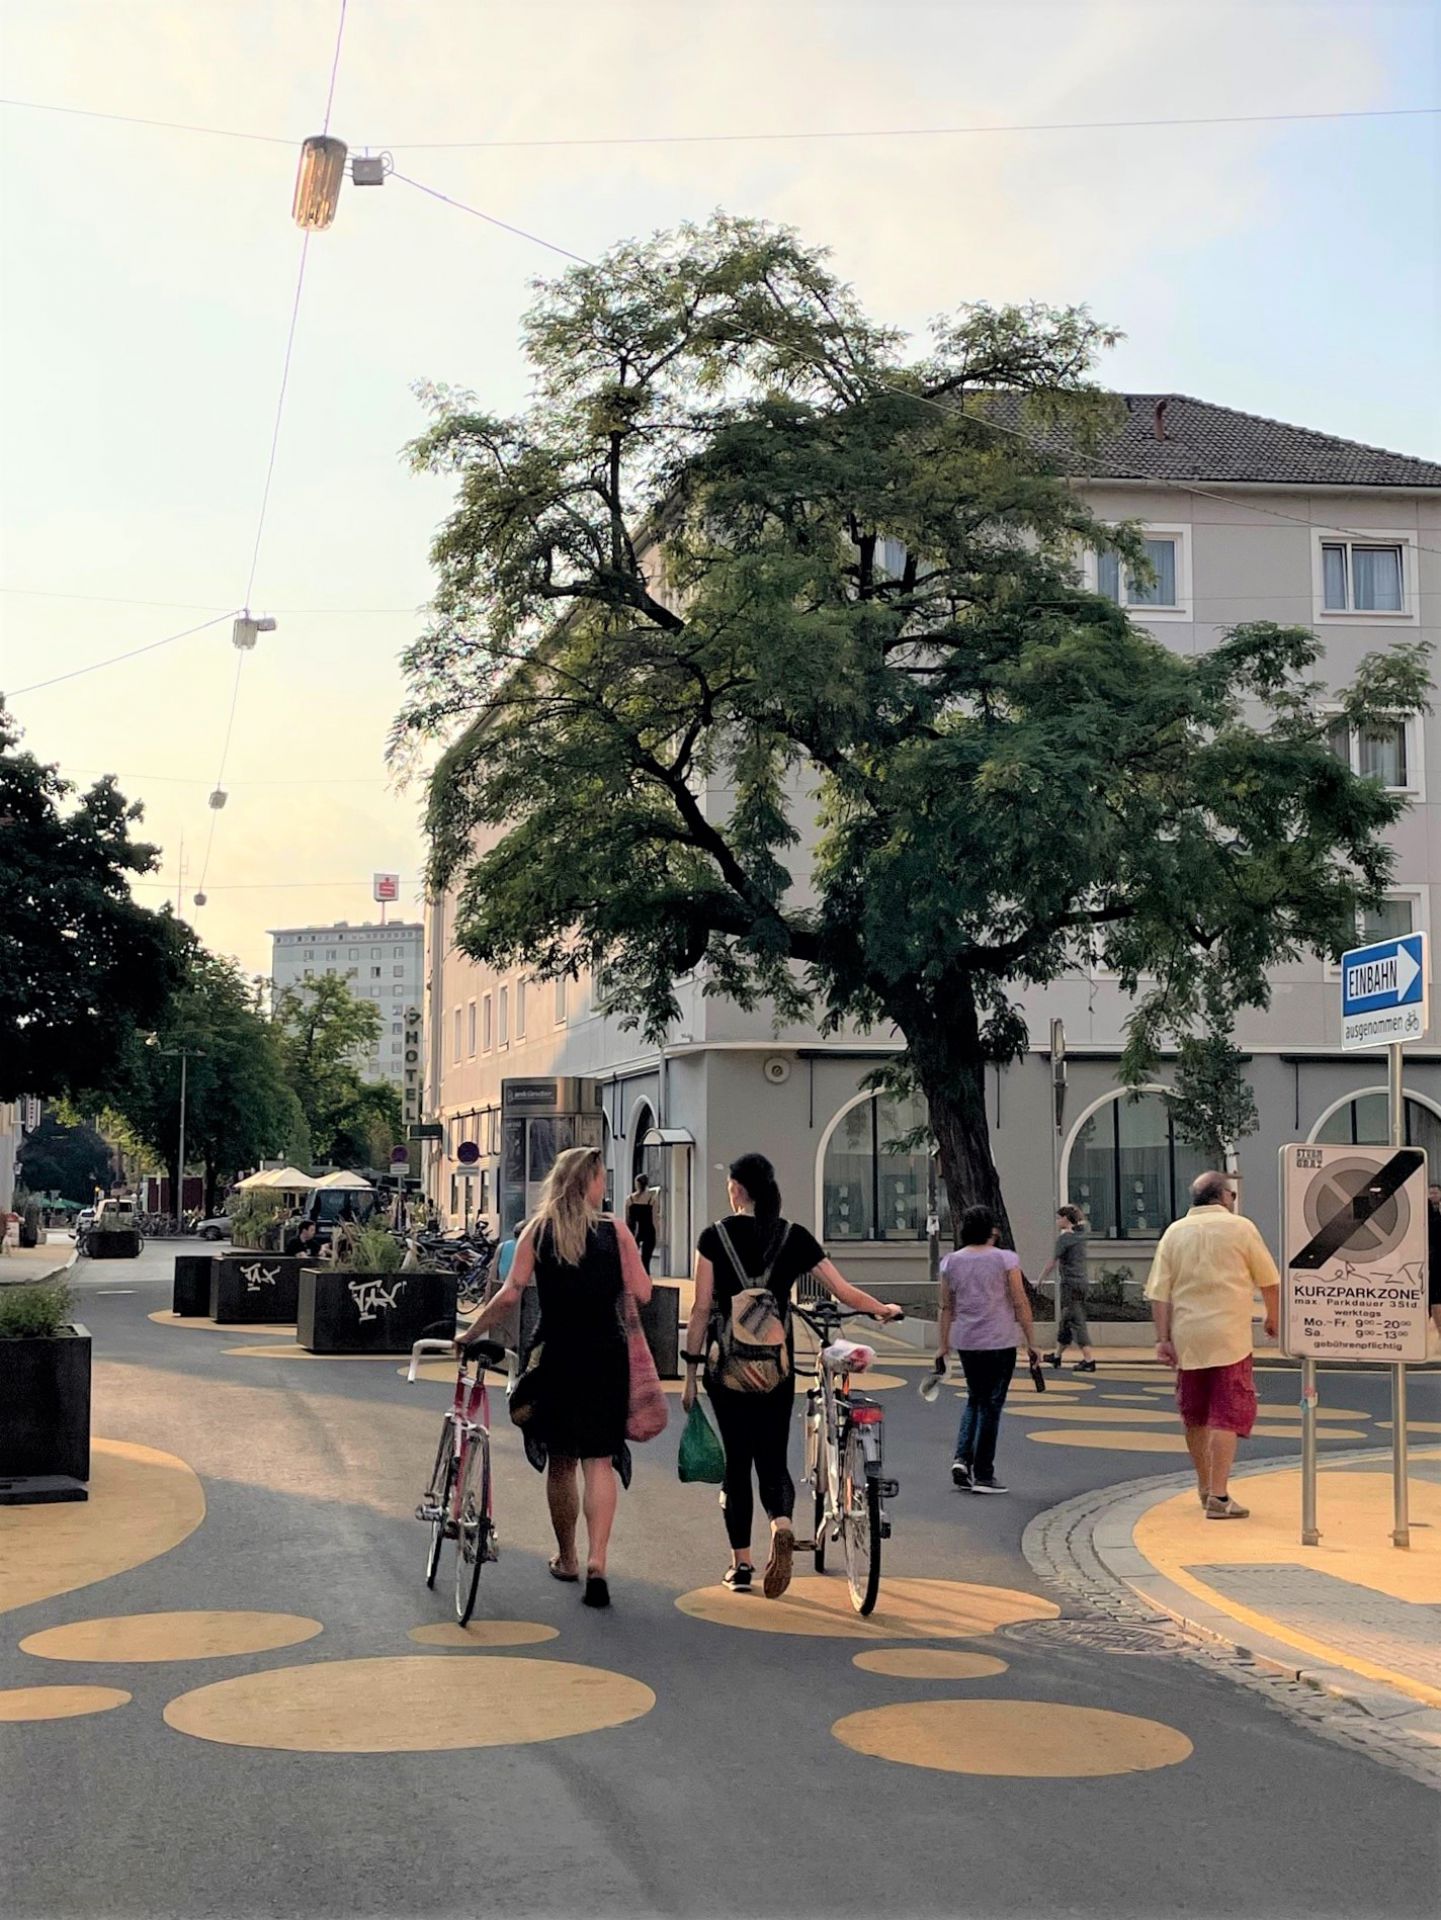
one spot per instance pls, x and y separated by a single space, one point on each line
1101 1636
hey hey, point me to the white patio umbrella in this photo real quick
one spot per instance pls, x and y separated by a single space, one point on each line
347 1182
279 1180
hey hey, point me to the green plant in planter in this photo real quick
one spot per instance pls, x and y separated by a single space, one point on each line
36 1312
251 1214
368 1250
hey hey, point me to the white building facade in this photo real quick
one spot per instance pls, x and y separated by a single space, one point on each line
383 964
1245 519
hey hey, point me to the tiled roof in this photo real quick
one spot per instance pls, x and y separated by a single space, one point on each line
1201 441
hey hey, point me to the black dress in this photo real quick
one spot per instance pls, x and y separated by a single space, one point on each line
583 1395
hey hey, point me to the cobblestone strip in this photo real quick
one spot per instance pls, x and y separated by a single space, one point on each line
1060 1546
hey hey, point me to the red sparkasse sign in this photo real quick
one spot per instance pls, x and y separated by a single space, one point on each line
386 886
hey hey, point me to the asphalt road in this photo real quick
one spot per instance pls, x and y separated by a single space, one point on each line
732 1793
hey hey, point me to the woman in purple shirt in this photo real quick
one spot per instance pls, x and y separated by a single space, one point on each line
984 1317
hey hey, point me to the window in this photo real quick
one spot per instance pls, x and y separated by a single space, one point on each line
1365 1122
869 1190
1392 918
375 973
398 972
560 1001
457 1033
470 1029
503 1016
1129 1172
352 973
330 953
1381 752
1168 555
330 969
1361 578
487 1025
353 954
375 953
520 1009
395 1046
310 954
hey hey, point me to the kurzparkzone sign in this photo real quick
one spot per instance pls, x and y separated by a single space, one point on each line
1384 992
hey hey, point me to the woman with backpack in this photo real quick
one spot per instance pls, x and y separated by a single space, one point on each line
739 1332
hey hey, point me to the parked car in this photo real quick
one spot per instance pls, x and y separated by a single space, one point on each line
85 1218
216 1228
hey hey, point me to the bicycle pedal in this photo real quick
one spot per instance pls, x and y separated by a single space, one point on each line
885 1529
804 1546
428 1514
889 1489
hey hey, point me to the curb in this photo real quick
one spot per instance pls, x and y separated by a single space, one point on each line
1086 1548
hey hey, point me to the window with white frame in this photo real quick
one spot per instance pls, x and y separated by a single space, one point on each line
470 1029
1168 587
487 1025
1385 751
1395 915
457 1034
503 1017
520 1009
560 986
1363 576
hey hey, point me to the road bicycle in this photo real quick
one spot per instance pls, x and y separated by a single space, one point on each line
458 1504
845 1458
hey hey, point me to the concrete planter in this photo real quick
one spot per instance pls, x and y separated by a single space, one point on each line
118 1243
45 1418
253 1288
340 1312
191 1293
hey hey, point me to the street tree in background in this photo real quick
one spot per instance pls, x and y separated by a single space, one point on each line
82 966
322 1029
768 653
71 1161
239 1107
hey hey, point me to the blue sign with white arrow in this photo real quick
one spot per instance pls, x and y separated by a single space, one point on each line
1384 992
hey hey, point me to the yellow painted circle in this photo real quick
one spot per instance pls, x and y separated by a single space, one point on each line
444 1371
142 1503
202 1323
907 1610
58 1703
416 1703
1117 1440
1412 1426
170 1636
1013 1739
484 1633
280 1352
928 1663
1323 1413
1100 1416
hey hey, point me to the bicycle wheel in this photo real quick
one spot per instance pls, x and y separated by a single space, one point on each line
472 1527
861 1529
437 1499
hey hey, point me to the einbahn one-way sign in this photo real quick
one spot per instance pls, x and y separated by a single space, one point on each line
1384 992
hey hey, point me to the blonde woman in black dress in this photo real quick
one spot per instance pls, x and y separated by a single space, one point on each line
581 1263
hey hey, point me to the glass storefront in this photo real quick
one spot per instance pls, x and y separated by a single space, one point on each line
870 1190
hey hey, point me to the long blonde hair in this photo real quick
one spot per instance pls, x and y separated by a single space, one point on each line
563 1205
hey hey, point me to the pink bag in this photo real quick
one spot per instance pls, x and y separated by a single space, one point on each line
648 1410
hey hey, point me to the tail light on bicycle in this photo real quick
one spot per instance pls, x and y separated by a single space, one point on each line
867 1414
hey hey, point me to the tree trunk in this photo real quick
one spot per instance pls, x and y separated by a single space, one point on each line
950 1065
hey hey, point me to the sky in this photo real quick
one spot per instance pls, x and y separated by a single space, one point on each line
147 279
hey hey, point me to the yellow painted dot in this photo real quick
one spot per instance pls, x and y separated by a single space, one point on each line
58 1703
142 1503
1013 1739
1412 1426
1117 1440
132 1637
202 1323
279 1352
417 1703
907 1610
928 1663
484 1633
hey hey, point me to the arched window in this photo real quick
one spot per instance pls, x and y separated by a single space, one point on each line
869 1190
1128 1171
1364 1122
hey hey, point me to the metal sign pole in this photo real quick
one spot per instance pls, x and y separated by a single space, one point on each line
1310 1533
1401 1529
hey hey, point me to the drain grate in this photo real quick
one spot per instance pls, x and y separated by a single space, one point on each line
1101 1636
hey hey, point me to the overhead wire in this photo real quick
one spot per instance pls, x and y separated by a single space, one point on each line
195 606
114 659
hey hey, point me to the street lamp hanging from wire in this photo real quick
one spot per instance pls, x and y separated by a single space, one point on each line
317 183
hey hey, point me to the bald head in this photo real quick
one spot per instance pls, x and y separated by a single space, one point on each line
1212 1190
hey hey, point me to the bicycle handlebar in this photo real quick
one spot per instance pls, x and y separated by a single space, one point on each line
422 1347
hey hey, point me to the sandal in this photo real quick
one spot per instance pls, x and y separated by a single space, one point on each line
778 1567
558 1572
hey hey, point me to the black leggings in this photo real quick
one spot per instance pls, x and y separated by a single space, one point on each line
755 1429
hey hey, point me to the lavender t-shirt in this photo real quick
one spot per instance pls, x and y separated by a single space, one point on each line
982 1313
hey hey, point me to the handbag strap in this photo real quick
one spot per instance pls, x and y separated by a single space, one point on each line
774 1253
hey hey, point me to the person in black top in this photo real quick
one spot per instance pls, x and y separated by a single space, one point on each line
640 1218
755 1426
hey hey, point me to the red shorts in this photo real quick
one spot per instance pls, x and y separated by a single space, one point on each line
1222 1397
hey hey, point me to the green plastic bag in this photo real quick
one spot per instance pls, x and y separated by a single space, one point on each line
702 1457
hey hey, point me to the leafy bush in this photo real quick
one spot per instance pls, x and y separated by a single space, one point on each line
251 1214
368 1250
34 1312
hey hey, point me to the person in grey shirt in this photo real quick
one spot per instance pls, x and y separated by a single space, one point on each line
1068 1263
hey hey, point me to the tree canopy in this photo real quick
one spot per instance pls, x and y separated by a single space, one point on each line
83 967
762 647
322 1027
71 1161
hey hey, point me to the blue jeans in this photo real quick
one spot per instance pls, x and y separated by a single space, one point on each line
988 1373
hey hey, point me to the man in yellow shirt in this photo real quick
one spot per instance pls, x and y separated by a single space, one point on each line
1202 1284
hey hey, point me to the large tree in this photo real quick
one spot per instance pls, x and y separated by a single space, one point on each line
323 1029
82 965
239 1108
71 1161
762 647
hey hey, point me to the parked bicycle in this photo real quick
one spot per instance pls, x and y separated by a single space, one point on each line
459 1503
845 1459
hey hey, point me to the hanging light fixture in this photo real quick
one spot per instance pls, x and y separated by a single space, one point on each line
219 798
317 183
200 898
243 632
